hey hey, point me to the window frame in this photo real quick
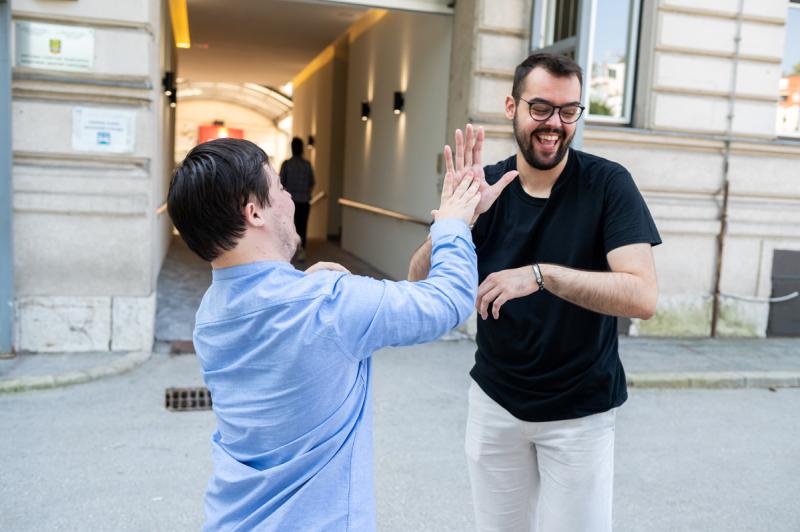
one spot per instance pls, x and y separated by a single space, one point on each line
631 63
785 135
543 17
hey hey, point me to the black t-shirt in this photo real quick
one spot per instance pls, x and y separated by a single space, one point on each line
546 359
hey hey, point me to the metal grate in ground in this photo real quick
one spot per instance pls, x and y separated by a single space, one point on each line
187 399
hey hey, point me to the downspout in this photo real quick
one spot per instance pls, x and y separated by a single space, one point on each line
726 154
6 190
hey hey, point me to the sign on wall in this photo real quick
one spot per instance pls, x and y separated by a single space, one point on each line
103 130
54 47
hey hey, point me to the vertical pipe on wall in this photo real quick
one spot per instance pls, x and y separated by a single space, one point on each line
726 155
6 191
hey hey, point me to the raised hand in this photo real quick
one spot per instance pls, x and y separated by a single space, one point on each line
469 156
460 196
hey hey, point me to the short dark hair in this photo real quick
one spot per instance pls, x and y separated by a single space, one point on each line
559 66
297 146
209 189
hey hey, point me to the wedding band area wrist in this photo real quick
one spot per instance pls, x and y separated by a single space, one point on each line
537 273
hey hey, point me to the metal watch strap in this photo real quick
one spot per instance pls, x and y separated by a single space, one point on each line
537 272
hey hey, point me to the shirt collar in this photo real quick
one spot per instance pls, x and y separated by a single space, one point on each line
242 270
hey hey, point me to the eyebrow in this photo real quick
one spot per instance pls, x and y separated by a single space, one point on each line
548 102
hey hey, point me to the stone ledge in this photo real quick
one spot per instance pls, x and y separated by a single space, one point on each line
715 379
41 382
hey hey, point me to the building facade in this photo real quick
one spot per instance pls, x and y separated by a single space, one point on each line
698 99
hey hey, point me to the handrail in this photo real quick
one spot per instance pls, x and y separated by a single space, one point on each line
318 196
383 212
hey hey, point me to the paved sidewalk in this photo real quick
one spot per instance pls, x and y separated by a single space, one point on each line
107 455
711 363
649 363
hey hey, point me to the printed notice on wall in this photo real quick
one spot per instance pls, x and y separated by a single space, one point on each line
54 47
103 130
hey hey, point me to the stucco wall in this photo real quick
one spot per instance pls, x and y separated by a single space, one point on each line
318 103
391 160
88 238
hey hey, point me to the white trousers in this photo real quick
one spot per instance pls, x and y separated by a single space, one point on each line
548 476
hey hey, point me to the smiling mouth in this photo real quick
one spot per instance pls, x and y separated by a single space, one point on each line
547 140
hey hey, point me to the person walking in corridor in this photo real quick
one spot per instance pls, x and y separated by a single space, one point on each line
562 251
297 177
286 354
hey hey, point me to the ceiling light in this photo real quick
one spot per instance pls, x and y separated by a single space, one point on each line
180 23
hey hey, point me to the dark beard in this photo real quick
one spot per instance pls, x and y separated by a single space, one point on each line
526 146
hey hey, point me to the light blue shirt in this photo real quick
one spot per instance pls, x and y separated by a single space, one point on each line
286 357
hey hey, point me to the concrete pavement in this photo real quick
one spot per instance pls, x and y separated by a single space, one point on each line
107 455
649 363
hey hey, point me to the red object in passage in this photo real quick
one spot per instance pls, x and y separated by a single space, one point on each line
207 133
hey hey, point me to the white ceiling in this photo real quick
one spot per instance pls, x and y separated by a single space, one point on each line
259 41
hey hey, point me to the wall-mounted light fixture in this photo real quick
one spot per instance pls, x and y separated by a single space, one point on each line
168 82
170 89
364 111
399 103
311 142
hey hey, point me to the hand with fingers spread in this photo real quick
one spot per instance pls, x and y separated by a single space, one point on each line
459 197
468 156
502 286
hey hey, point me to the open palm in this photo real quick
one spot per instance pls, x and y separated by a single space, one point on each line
469 155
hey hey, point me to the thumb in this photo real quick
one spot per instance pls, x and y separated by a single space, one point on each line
503 182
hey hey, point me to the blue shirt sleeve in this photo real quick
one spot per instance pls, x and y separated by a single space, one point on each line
364 315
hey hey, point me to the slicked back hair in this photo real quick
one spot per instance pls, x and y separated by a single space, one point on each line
209 190
559 66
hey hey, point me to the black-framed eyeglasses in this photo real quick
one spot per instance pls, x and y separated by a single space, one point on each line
542 110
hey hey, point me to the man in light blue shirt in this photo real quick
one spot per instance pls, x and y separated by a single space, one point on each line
286 354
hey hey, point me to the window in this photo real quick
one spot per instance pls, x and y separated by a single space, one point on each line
610 49
612 56
788 111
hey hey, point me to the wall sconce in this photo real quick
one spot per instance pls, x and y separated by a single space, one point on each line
168 82
364 111
170 89
399 103
311 142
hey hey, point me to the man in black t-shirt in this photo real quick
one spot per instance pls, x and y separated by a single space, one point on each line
562 252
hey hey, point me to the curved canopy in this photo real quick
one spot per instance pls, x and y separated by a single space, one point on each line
263 100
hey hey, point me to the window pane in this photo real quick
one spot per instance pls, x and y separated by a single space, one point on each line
561 20
609 69
788 122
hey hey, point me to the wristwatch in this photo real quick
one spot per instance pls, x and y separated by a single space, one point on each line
537 272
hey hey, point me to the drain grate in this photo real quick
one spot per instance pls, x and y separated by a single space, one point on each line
181 347
186 399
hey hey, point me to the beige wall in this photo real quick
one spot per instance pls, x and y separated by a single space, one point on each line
391 161
318 112
88 239
675 149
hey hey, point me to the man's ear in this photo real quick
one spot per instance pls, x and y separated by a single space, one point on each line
253 214
511 107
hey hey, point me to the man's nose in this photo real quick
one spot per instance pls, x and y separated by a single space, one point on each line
555 119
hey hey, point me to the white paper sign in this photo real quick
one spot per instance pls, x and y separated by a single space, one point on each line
54 47
103 130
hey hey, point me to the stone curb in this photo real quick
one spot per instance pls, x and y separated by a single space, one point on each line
715 379
42 382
